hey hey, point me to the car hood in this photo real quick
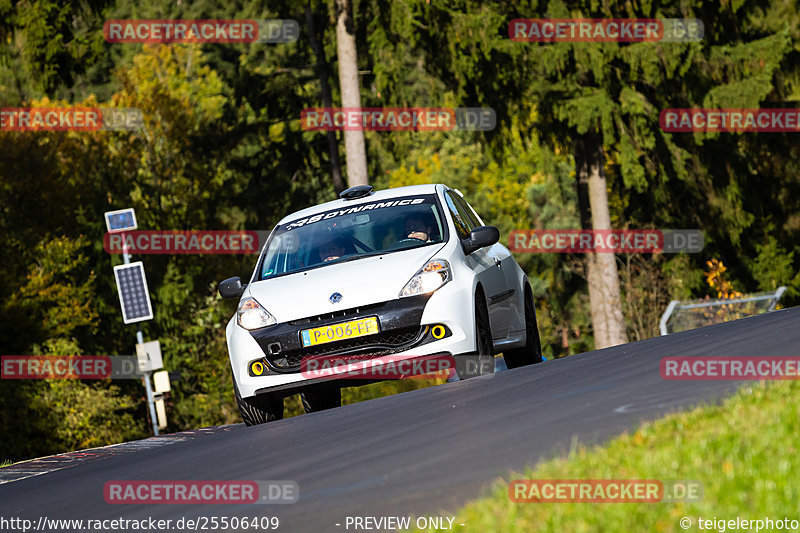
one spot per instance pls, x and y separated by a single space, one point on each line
360 282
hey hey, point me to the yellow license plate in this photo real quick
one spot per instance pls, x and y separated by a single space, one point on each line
339 332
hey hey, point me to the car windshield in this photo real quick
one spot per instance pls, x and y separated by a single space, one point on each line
350 233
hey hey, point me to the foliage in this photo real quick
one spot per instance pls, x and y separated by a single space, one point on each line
55 306
222 148
774 267
716 279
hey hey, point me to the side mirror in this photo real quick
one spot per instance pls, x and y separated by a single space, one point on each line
480 237
231 287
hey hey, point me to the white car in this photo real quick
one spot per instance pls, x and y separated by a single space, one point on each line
410 273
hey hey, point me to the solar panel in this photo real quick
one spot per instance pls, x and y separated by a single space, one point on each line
133 296
121 220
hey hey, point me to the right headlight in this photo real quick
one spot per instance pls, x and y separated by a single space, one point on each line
251 315
429 278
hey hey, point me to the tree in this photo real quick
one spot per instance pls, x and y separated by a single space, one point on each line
601 268
327 100
602 100
351 92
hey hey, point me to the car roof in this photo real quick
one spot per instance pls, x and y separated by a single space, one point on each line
383 194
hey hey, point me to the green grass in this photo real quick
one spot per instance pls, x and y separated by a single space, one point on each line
6 462
744 451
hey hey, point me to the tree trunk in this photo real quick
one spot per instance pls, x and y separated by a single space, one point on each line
351 97
327 100
601 268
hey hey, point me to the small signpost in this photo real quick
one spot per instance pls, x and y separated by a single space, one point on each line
134 299
161 382
148 355
161 414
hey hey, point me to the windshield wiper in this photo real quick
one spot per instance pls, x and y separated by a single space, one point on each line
359 256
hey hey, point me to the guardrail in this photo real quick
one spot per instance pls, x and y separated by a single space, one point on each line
692 314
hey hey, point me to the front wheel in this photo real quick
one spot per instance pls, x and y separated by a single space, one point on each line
482 361
321 398
259 409
531 353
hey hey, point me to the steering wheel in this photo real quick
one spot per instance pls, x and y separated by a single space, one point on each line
399 244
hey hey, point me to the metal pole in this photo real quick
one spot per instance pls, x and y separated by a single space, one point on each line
126 257
662 325
777 298
140 340
150 401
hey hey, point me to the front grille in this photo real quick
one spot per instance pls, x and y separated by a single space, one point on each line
344 313
384 343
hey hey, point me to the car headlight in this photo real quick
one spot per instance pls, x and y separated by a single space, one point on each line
429 278
251 315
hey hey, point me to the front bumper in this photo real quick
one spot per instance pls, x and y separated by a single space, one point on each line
399 323
405 333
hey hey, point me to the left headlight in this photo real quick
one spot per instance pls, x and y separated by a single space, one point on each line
251 315
429 278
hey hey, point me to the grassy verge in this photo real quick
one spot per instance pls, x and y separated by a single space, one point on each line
744 451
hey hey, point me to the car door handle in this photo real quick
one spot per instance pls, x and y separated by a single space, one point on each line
498 263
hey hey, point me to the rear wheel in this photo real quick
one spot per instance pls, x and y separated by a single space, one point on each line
531 353
259 409
321 398
482 361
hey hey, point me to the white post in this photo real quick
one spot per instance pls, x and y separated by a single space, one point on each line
663 324
151 405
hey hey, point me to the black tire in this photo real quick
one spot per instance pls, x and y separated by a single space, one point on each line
260 409
321 398
531 353
481 361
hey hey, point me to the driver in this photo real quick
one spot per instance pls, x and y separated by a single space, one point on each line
331 250
417 228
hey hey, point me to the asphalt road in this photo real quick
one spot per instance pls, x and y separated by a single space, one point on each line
416 453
